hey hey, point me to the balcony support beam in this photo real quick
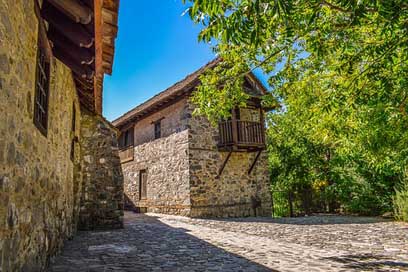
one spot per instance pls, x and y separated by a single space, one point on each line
262 120
224 164
254 162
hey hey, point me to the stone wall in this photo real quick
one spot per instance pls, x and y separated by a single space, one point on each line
40 183
173 120
36 173
233 193
166 163
101 203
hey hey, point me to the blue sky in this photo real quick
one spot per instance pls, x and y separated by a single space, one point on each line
155 48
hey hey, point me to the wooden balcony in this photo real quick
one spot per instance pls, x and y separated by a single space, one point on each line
126 154
241 135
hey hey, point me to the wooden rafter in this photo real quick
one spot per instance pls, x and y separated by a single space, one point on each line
73 9
82 70
73 28
75 32
84 85
83 55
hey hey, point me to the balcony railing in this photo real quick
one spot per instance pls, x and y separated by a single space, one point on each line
243 134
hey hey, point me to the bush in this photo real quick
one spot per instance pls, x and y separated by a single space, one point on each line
400 202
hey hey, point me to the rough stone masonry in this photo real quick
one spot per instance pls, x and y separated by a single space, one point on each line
45 193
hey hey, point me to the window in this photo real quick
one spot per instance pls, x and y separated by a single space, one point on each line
142 184
72 154
157 129
73 128
42 87
126 138
73 125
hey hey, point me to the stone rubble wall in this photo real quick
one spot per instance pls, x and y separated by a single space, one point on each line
165 160
36 173
101 203
173 120
166 163
231 194
40 185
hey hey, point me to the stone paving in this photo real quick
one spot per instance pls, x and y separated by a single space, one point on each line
154 242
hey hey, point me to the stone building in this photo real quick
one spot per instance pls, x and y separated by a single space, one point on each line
174 162
59 163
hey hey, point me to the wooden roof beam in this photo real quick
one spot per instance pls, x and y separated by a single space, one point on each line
73 9
99 73
83 84
76 33
82 70
84 55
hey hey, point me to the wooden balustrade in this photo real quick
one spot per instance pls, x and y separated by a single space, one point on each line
242 134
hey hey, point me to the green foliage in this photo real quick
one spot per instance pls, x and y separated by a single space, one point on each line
329 172
401 203
339 68
280 204
219 104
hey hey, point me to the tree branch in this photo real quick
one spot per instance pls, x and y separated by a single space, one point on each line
332 6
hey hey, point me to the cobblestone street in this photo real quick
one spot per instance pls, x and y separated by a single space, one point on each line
154 242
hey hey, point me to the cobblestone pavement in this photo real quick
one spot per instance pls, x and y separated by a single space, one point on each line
154 242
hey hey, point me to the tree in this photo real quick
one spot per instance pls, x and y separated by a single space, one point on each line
338 67
355 47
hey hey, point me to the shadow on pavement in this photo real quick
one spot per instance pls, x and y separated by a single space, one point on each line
369 262
147 244
309 220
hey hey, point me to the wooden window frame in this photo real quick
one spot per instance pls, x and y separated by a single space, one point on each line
73 124
73 130
142 184
72 153
42 92
128 134
42 81
157 129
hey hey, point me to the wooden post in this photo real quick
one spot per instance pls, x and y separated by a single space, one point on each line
261 117
290 204
234 127
272 204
